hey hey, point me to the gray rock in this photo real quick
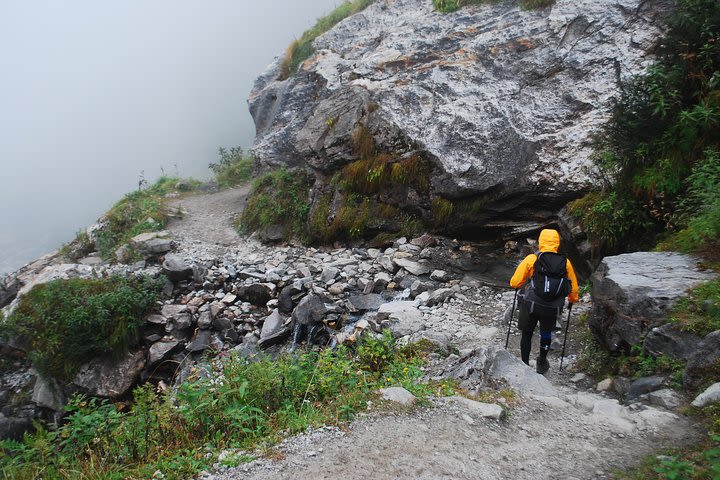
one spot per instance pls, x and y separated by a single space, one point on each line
156 319
644 385
152 243
48 394
710 395
110 379
366 302
160 351
205 320
256 294
439 275
9 287
202 340
670 341
480 409
489 365
413 267
222 324
328 275
439 296
605 385
633 293
524 93
405 319
173 311
398 395
665 398
387 264
176 268
181 322
703 361
13 428
311 309
272 325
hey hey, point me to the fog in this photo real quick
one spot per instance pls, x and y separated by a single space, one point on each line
94 93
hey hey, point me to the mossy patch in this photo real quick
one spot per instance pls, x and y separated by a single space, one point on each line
278 198
699 312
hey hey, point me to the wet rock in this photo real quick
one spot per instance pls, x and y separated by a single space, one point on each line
398 395
670 341
405 319
363 303
710 395
48 394
703 361
200 342
644 385
413 267
160 351
273 330
13 428
110 379
311 309
633 293
176 268
205 320
256 294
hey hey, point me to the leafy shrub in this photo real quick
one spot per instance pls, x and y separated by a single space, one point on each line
69 322
533 4
302 49
660 145
278 198
241 404
144 210
234 168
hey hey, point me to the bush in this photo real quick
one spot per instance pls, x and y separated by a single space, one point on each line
302 49
278 198
660 147
240 404
447 6
233 169
144 210
69 322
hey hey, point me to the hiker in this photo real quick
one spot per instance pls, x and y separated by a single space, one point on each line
547 277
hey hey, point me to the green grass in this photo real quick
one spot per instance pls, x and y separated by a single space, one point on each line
241 405
302 49
699 312
279 197
69 322
141 211
234 167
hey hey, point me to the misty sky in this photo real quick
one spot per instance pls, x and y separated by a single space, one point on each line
92 93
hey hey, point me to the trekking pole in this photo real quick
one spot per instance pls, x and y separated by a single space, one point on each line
567 327
512 312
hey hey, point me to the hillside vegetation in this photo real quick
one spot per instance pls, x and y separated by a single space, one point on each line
660 154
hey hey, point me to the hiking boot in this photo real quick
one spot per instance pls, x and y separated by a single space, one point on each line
542 365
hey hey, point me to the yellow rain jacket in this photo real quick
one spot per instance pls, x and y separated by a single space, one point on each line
549 241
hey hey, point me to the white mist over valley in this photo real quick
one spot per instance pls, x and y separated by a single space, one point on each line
94 94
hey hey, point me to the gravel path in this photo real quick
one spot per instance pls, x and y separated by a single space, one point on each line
209 218
575 434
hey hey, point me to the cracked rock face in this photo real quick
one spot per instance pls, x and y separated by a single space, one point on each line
502 101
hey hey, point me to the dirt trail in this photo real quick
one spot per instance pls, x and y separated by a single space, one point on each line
575 434
209 218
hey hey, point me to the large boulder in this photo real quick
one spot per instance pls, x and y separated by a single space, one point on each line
481 94
633 293
109 378
176 268
311 309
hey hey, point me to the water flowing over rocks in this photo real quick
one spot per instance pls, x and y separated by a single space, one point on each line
501 101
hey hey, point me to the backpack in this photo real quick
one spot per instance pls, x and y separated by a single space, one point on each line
549 281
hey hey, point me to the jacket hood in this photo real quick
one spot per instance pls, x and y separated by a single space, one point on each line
549 241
